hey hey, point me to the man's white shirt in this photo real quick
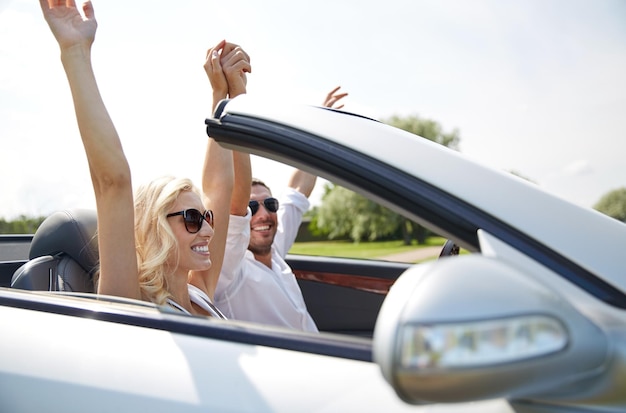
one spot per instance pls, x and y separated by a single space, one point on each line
250 291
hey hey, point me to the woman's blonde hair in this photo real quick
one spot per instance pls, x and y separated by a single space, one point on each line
155 241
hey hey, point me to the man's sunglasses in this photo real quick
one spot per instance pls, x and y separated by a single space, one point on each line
271 204
193 219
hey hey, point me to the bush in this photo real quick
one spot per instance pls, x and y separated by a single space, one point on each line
613 204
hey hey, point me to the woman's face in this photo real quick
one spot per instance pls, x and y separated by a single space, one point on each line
193 249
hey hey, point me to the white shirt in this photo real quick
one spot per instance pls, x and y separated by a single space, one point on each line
199 297
250 291
203 301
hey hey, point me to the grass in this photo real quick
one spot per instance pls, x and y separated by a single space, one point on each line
349 249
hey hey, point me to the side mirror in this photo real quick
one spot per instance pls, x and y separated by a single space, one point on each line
471 328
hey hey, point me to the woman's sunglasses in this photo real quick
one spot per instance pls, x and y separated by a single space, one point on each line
271 204
193 219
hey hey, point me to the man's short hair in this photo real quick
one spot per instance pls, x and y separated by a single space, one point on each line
256 181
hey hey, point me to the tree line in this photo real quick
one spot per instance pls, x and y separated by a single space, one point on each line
22 225
344 214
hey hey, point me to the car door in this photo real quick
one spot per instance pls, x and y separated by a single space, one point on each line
66 353
344 295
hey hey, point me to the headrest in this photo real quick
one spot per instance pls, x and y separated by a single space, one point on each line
72 232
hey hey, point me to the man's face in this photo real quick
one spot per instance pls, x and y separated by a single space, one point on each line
263 224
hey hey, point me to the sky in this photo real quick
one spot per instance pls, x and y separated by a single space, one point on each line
532 86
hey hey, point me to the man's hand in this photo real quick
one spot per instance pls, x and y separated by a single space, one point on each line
333 97
235 64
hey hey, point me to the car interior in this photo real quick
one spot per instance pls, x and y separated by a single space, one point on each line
63 254
63 257
343 295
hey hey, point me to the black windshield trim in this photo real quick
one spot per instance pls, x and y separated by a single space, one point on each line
412 197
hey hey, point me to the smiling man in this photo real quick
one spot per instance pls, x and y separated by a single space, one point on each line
256 284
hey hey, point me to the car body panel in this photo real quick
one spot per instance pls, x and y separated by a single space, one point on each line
125 368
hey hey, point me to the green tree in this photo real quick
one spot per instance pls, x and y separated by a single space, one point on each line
22 225
613 204
426 128
344 213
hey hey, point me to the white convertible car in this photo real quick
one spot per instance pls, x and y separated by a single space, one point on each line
532 319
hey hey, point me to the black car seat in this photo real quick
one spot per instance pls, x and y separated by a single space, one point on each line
63 254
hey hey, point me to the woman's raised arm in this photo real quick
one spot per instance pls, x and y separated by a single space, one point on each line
110 173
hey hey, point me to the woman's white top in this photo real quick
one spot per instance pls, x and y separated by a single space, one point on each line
201 299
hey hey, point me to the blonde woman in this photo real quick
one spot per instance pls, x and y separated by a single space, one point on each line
152 243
